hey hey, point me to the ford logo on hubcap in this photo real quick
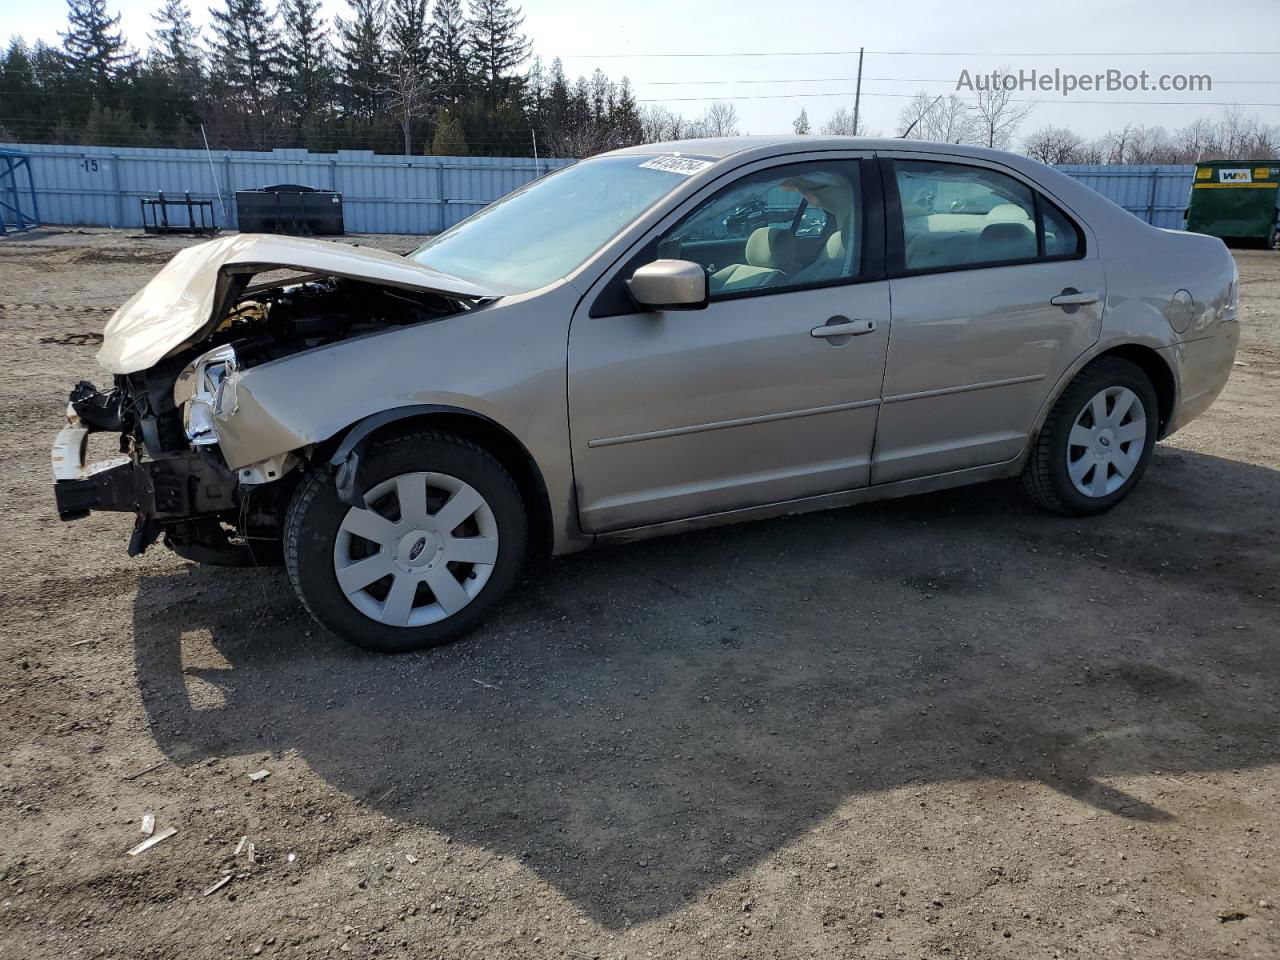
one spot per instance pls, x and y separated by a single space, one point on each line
416 551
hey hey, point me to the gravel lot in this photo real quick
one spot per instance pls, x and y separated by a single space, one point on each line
949 726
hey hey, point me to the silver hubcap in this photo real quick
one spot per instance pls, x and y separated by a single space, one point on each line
421 551
1106 442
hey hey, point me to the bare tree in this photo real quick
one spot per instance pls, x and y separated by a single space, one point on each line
720 120
1115 143
657 123
1196 139
998 114
1053 145
1151 145
944 120
841 124
408 92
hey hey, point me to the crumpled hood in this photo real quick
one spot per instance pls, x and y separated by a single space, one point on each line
176 307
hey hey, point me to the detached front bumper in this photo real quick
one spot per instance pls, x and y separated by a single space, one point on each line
77 488
173 488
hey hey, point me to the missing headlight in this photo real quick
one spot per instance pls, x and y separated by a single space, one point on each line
205 392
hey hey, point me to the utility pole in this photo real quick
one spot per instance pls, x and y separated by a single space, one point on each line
857 96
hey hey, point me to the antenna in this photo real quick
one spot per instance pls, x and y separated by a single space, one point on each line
216 185
923 113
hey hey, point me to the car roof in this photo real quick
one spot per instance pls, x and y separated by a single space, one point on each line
719 148
735 151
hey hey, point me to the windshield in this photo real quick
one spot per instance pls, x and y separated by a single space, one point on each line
549 227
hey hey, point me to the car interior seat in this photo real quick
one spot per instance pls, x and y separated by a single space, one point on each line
1010 240
771 257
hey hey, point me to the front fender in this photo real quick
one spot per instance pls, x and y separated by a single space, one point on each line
504 362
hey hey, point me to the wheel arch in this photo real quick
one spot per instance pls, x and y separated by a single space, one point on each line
1145 357
343 450
1158 371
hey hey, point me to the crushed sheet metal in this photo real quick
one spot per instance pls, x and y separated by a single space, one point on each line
177 305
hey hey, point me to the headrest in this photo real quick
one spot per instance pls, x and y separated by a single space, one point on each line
835 246
912 209
1008 241
771 247
1008 211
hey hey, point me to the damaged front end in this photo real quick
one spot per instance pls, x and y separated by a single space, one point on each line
178 489
177 350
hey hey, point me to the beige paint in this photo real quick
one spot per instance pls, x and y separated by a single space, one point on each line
661 420
176 307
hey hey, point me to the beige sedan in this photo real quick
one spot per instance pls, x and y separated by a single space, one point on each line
653 340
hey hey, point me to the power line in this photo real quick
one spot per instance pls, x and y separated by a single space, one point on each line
922 53
908 96
949 80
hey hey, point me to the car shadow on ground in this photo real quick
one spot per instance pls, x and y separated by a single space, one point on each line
641 723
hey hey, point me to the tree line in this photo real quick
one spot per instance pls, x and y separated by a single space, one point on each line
435 76
393 76
993 117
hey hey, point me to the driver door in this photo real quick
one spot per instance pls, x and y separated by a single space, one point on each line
678 414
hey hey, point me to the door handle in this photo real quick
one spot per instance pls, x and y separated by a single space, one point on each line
843 327
1071 297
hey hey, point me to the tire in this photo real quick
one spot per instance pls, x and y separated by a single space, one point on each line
324 540
1059 466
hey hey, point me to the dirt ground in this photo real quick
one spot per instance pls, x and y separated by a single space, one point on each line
943 727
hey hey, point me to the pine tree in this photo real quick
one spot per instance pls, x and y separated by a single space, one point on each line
95 51
244 64
449 140
361 59
306 64
172 83
175 44
407 31
801 123
20 98
450 51
626 117
498 45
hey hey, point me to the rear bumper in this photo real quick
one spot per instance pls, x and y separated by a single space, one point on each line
1204 366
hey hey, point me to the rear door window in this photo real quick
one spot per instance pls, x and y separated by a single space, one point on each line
957 216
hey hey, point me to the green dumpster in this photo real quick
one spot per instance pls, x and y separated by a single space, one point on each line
1235 200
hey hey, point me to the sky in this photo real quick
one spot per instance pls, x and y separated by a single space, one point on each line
771 58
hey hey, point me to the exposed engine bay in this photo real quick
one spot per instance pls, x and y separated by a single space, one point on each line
171 472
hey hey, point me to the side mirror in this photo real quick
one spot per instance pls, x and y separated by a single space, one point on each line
670 285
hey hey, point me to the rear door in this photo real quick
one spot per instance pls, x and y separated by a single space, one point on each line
996 291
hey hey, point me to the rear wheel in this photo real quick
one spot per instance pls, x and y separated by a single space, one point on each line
439 542
1097 440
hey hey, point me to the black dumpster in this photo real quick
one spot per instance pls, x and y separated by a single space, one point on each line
290 208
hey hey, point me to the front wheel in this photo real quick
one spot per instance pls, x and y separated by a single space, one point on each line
439 542
1097 440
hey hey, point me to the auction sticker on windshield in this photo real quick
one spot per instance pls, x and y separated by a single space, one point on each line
686 165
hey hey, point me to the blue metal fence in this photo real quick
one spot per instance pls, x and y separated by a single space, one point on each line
1155 192
100 186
